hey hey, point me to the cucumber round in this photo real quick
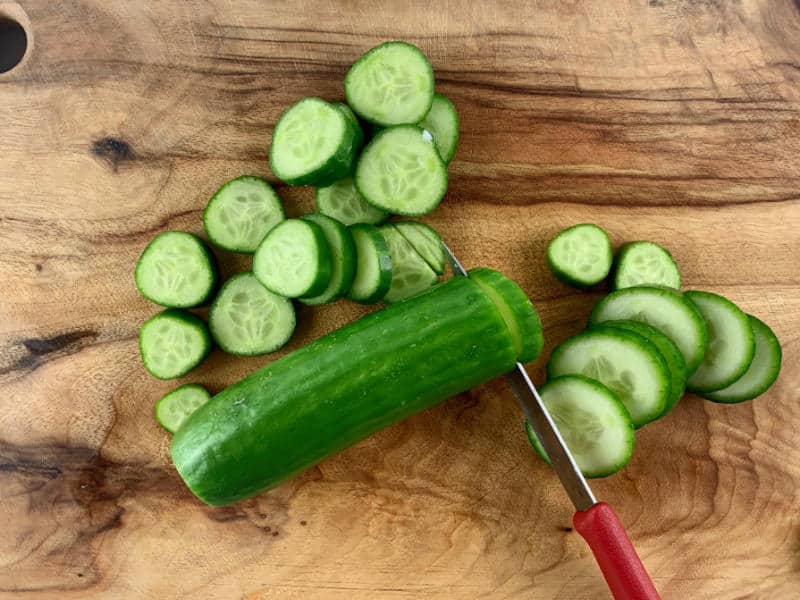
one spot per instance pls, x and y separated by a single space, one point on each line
442 122
580 255
391 84
247 319
401 172
313 144
342 201
172 343
294 260
666 310
761 374
645 263
625 362
241 213
351 116
176 406
731 345
373 265
426 241
593 423
176 270
343 259
411 275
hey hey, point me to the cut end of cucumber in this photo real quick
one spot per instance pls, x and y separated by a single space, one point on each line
172 343
177 406
581 255
342 201
373 265
646 263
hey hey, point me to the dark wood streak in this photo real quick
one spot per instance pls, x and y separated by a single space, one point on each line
41 350
113 151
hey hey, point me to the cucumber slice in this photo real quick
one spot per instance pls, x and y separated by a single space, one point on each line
176 406
343 259
176 270
730 343
592 421
172 343
761 374
645 263
581 255
351 116
313 144
664 309
625 362
442 122
426 241
294 259
671 353
517 311
373 265
401 172
241 213
342 201
391 84
411 275
247 319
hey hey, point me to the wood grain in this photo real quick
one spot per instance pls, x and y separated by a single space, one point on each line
671 120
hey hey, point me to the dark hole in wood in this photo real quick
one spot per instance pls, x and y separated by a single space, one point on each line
13 44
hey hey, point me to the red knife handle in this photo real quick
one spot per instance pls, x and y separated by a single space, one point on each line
621 566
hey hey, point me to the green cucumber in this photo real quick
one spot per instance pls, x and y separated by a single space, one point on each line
351 117
343 259
341 388
645 263
580 255
342 201
442 122
411 275
172 343
176 406
426 241
373 265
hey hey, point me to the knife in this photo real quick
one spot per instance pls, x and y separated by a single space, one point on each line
596 521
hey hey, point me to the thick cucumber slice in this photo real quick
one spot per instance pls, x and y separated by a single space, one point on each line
343 259
670 352
593 422
391 84
442 122
351 116
664 309
410 273
730 343
172 343
176 270
623 361
175 407
426 241
761 374
581 255
645 263
517 311
401 172
314 143
241 213
247 319
373 265
294 260
342 201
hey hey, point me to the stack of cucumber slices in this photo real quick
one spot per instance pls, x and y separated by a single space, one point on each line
646 343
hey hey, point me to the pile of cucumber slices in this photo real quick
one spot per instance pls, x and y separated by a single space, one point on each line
383 153
646 343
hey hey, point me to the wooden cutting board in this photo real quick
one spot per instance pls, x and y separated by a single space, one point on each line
673 121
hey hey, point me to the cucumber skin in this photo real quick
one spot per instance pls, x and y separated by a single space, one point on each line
348 259
351 117
340 389
384 263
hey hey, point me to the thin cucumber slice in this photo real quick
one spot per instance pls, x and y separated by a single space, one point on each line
426 241
581 255
401 172
176 406
241 213
343 259
731 345
314 143
645 263
351 116
664 309
671 353
411 275
442 122
625 362
176 270
247 319
593 422
761 374
294 260
172 343
373 265
517 311
391 84
342 201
